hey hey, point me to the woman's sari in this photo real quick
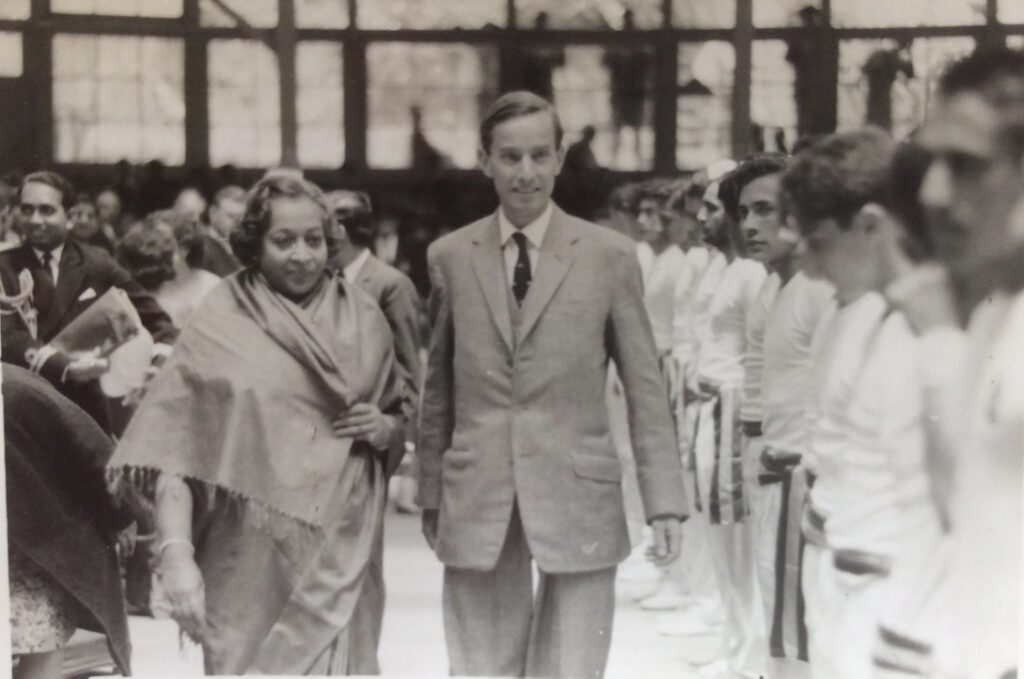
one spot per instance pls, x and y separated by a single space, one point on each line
286 513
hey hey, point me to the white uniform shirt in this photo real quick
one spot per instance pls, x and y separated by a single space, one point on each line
684 316
660 277
799 310
986 508
753 359
881 499
839 364
722 349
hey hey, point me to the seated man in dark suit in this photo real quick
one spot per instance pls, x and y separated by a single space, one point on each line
225 211
49 280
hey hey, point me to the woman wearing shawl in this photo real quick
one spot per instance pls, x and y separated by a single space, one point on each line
265 442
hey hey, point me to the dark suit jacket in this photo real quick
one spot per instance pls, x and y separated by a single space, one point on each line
59 513
218 258
81 267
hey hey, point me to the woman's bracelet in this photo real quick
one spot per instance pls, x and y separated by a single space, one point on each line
175 541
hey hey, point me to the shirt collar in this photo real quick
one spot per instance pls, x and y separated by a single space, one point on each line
356 265
55 253
534 231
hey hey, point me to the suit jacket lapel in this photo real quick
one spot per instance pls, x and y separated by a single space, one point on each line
490 271
69 282
556 256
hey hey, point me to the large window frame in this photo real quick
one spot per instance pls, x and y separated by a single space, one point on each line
38 31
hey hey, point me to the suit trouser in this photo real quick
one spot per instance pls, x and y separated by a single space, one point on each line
496 626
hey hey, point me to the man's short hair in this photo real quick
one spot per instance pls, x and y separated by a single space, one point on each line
910 163
839 175
358 219
623 197
516 105
751 169
55 181
658 189
997 75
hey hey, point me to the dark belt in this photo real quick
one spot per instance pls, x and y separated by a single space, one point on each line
776 465
751 430
858 562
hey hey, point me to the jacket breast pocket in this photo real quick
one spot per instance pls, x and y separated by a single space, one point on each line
597 467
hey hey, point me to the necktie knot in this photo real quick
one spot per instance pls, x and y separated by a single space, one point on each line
521 275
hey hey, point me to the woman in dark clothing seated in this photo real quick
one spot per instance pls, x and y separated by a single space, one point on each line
62 527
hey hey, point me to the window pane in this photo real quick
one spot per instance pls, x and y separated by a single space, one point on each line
446 86
883 84
258 13
135 8
703 110
10 55
424 14
774 13
876 13
1015 42
704 13
587 13
320 104
118 98
15 9
607 88
245 104
1011 11
772 96
321 13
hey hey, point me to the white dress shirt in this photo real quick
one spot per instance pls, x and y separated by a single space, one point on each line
753 359
786 382
684 315
839 365
352 269
661 276
534 232
721 352
55 255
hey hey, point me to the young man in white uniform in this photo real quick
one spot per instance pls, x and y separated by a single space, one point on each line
829 189
777 369
718 456
973 193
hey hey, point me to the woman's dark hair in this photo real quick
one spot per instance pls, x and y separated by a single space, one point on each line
186 233
147 253
247 236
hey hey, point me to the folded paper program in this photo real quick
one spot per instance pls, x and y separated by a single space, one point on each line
105 325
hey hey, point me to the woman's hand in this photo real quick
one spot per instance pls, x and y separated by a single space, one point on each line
365 422
182 582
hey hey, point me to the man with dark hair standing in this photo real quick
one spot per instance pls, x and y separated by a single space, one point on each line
528 307
225 211
49 280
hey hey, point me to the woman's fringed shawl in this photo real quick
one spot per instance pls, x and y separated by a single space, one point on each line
245 403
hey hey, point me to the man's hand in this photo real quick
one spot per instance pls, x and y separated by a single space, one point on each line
86 368
364 422
182 582
429 520
668 537
126 540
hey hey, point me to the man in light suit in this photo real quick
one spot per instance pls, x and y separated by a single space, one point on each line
527 308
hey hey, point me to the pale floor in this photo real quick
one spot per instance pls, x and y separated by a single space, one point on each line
413 640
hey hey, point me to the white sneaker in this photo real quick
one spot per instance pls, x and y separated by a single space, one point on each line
638 570
668 597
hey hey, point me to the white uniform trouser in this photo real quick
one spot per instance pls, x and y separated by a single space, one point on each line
730 545
842 618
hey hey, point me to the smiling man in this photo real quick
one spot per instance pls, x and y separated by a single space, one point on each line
528 307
